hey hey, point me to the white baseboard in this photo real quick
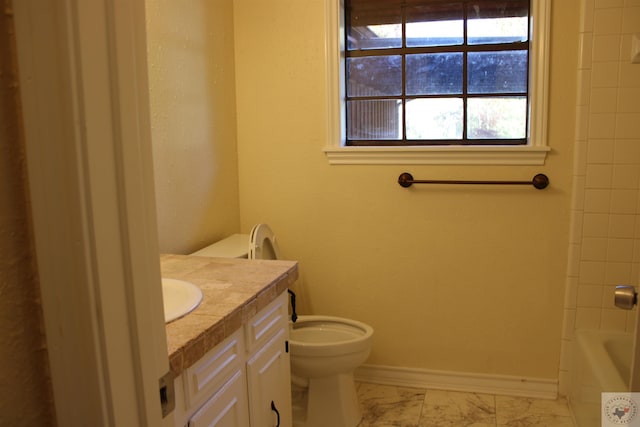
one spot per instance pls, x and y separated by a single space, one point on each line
455 381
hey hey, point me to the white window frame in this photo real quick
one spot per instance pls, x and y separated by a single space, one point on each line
534 153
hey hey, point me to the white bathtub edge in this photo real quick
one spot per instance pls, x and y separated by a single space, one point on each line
591 342
592 373
539 388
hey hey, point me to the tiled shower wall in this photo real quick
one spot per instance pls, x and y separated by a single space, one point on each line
605 235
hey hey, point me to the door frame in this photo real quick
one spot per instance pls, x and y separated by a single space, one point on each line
84 92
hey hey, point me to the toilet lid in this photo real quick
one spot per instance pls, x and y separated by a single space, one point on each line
262 243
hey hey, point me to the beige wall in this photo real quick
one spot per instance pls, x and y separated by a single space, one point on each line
193 118
460 279
25 389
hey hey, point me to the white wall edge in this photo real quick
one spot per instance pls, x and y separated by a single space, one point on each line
83 84
538 388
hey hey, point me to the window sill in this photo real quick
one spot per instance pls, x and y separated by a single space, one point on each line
440 155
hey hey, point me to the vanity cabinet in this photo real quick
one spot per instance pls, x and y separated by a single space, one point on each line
227 408
244 380
268 376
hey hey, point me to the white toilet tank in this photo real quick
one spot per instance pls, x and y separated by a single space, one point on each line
260 243
234 246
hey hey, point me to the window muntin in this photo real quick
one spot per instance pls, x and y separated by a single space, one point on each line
463 68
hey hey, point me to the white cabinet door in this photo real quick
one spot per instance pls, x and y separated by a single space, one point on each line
227 408
269 384
209 374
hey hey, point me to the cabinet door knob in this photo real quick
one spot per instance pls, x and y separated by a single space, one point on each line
274 409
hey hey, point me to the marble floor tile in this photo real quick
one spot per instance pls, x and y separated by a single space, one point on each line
449 408
390 406
525 412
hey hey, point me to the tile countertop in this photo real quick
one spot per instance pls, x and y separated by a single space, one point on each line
234 290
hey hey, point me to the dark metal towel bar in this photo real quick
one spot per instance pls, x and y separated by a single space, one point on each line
539 181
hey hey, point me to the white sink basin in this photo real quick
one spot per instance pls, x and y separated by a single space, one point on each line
179 297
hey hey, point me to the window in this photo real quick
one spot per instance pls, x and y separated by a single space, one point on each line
440 81
436 72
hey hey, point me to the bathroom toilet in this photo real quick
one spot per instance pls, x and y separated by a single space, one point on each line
324 350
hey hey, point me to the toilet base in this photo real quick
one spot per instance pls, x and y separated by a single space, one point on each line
331 401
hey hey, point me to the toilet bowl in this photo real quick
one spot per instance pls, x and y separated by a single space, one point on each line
324 350
313 338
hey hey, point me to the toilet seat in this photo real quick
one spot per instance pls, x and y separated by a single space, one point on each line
262 243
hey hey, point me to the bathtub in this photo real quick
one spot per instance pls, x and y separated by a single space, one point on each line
601 363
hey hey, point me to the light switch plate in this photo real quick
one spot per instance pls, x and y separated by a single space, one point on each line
635 49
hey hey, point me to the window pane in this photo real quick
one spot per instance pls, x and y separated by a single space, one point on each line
374 76
375 37
435 25
375 119
434 74
500 118
498 72
373 25
493 22
439 118
491 31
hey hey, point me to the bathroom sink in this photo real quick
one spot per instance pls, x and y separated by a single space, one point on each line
179 297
